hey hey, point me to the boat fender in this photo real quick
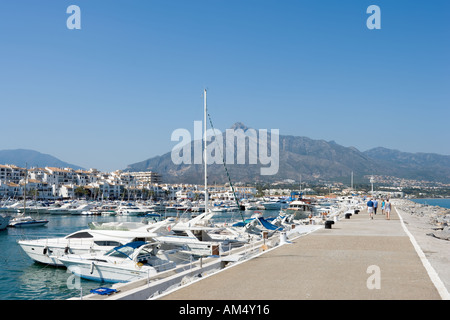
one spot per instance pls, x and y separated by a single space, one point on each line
44 252
92 267
66 250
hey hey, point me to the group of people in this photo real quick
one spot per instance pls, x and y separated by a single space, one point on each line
372 206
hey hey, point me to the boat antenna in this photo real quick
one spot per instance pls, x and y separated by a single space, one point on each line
205 153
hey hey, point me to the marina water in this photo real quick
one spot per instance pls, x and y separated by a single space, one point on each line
23 279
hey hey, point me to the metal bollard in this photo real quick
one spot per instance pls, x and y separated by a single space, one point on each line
328 224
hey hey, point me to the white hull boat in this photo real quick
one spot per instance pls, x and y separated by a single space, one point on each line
131 211
126 263
275 205
300 209
62 210
97 240
27 222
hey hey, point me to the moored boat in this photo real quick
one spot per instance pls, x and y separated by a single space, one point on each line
300 209
27 222
132 261
97 239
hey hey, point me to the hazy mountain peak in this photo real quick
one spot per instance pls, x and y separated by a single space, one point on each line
32 158
239 125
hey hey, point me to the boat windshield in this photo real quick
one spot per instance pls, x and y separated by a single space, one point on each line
124 251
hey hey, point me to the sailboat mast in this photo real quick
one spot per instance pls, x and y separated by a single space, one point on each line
352 182
25 189
205 154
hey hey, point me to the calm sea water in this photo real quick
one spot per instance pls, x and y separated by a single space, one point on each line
23 279
444 203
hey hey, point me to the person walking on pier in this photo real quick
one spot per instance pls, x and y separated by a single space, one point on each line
387 209
370 208
375 205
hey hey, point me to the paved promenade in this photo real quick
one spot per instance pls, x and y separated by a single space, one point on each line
358 258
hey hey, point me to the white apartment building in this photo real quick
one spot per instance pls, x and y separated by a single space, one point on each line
59 176
185 194
8 189
36 188
145 177
109 190
52 183
66 191
9 172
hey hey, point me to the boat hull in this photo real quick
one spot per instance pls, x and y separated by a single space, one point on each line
48 251
98 271
29 224
131 213
59 212
274 205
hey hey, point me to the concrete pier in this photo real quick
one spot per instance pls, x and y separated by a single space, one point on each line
358 258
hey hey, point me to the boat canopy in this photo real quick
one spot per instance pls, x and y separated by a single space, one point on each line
268 225
125 250
134 245
265 223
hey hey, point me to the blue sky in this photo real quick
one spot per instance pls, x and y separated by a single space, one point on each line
112 93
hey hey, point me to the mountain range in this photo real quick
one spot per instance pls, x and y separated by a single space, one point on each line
310 160
31 158
299 158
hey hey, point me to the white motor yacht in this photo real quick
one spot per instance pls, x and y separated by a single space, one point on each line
81 208
275 204
132 261
99 239
63 209
300 209
199 237
131 211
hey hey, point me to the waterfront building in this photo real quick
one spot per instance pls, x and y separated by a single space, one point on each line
9 172
67 191
185 194
59 176
8 189
35 189
148 177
